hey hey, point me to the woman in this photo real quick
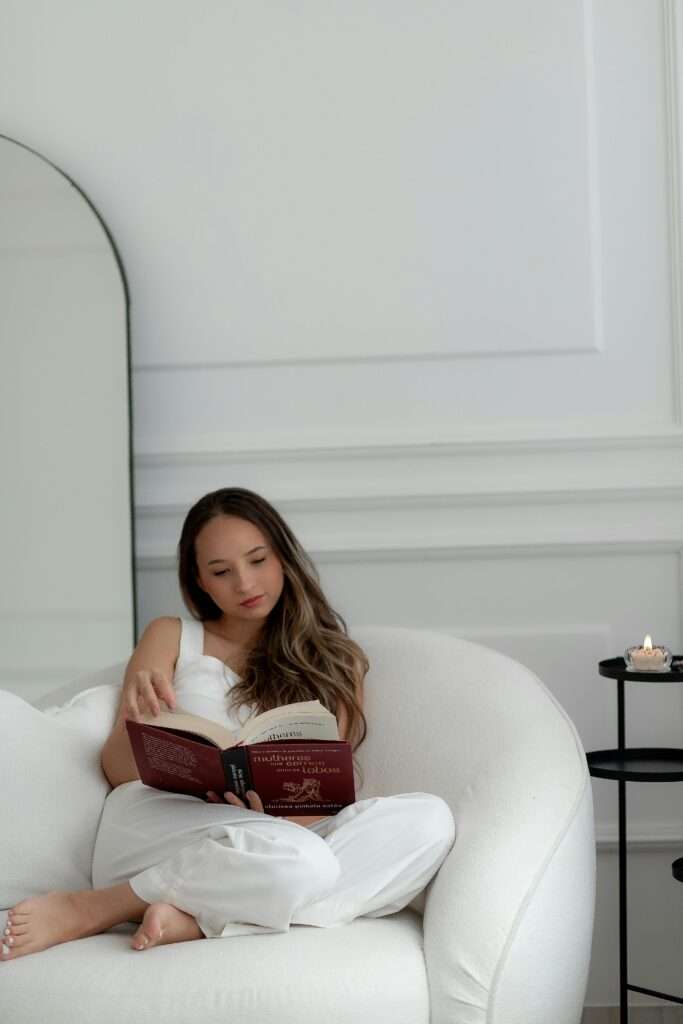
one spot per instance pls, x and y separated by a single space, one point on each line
262 635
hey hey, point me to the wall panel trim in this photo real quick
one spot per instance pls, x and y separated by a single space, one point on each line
172 452
484 499
158 561
672 110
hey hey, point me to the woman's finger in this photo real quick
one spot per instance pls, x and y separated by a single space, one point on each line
133 710
163 688
136 693
255 801
227 798
149 693
232 798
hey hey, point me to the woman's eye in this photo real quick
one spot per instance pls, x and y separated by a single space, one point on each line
257 561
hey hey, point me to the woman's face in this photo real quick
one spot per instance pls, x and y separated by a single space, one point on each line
236 563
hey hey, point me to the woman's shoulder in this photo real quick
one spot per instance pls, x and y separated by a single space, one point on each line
159 644
164 632
164 625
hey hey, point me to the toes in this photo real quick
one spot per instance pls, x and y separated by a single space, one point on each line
21 908
141 940
12 952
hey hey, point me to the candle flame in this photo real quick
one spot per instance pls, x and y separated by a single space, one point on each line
647 643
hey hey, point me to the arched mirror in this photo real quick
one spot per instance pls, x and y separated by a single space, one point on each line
67 604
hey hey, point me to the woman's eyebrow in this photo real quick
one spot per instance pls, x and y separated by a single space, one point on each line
259 548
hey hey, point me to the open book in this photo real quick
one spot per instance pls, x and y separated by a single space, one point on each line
291 756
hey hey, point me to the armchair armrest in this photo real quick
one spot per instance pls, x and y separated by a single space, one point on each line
508 918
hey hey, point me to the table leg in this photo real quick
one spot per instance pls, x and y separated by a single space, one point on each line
623 927
623 932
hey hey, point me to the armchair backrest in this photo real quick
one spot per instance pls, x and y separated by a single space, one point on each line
451 717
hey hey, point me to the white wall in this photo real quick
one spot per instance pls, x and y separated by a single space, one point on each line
413 271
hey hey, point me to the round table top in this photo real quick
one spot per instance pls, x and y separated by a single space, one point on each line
637 764
615 668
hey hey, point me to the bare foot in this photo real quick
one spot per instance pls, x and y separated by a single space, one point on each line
164 923
42 921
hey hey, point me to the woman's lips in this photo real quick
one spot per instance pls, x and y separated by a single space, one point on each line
252 602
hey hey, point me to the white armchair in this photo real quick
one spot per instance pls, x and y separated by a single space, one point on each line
502 934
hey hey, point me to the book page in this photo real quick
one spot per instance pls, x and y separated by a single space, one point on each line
296 727
311 711
300 720
181 719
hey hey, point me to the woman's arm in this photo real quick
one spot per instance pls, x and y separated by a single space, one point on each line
156 652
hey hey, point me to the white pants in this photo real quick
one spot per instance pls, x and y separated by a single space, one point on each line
239 871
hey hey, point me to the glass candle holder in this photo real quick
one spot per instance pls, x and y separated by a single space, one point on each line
648 658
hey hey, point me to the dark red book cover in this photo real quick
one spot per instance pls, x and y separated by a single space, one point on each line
299 776
292 777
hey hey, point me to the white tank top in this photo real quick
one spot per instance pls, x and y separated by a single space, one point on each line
202 682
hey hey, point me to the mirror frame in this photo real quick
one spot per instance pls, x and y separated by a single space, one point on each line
126 293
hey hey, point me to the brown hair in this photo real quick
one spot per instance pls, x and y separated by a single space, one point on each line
305 652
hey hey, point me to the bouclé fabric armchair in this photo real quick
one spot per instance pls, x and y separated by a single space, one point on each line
501 935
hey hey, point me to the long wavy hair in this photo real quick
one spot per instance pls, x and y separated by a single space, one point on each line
304 651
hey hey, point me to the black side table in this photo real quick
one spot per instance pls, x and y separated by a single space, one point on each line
634 764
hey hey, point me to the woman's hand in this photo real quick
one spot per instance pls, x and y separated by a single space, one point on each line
144 693
255 802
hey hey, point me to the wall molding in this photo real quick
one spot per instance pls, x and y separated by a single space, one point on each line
662 835
155 452
672 134
368 503
592 154
201 366
537 346
163 561
399 476
404 528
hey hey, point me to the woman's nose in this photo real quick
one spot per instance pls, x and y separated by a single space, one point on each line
242 581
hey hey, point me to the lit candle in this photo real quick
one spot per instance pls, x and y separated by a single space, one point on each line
648 658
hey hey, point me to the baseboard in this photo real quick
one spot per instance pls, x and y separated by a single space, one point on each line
636 1015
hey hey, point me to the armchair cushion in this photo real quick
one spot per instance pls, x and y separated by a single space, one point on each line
371 970
53 788
51 799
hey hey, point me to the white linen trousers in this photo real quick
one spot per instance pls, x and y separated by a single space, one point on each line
239 871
